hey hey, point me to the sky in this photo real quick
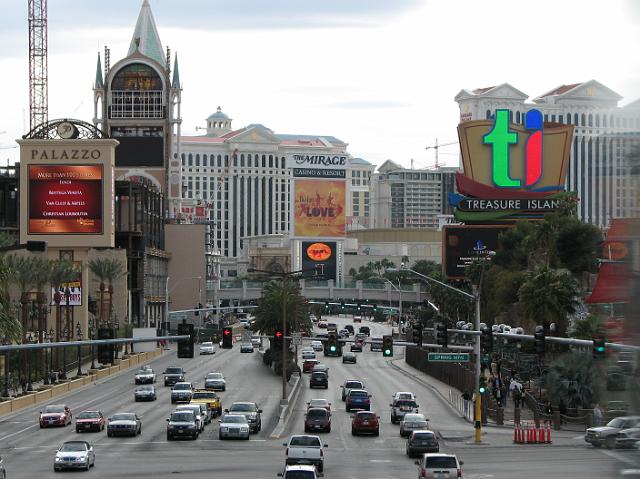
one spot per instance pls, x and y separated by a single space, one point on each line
380 75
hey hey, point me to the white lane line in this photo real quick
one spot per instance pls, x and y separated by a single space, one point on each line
380 460
18 432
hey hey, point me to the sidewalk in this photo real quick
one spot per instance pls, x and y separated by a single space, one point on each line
492 434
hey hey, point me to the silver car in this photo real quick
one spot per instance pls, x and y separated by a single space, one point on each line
233 426
124 423
146 392
413 422
215 382
74 455
197 411
181 392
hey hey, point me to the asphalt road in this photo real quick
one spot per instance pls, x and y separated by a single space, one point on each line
28 451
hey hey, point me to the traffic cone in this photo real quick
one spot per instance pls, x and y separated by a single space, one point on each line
541 435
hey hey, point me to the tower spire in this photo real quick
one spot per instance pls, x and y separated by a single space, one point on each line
175 83
98 83
145 37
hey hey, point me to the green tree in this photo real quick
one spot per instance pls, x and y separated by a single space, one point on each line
578 246
547 296
574 378
270 307
10 326
588 327
106 269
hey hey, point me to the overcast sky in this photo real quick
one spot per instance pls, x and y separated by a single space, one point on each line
378 74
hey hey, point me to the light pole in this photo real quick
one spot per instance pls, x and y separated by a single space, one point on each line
65 335
79 336
92 333
399 290
29 359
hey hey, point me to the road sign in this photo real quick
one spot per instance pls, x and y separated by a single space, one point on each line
448 357
296 339
177 316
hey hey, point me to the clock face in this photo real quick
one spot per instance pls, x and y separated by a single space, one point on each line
66 130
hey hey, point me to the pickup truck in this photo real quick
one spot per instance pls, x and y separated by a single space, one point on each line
400 407
305 449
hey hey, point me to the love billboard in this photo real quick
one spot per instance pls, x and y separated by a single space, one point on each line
319 208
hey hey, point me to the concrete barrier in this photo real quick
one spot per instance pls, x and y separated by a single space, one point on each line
16 404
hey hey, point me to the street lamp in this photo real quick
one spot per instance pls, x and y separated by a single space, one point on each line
51 338
79 336
65 336
29 359
92 333
399 290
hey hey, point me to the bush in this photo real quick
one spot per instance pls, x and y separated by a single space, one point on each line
291 368
267 357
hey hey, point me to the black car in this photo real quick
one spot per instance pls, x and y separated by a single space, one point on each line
420 442
349 357
173 375
319 379
349 327
364 330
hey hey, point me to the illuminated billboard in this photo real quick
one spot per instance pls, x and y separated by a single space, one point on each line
319 208
65 199
319 259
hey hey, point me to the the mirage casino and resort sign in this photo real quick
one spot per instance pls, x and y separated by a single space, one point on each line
511 171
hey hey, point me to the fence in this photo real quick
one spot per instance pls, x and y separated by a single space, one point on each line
457 375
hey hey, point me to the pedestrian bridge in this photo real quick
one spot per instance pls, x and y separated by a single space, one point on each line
322 290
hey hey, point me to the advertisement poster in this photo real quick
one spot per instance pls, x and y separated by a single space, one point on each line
65 199
462 245
75 290
319 260
319 208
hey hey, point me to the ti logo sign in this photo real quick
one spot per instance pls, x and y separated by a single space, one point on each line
501 138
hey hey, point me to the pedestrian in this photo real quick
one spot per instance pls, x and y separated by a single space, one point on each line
466 397
597 415
516 389
498 396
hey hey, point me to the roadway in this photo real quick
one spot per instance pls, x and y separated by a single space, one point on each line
28 451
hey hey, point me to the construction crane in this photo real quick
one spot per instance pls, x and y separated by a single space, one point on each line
437 147
38 54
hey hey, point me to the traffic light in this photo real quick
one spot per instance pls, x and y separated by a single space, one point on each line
332 345
442 335
326 305
198 308
185 346
278 340
599 347
486 341
227 338
387 345
342 305
359 307
417 333
375 308
539 336
483 385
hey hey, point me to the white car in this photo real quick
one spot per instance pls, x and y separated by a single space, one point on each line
300 472
317 345
74 455
197 411
207 348
305 449
145 375
308 354
233 426
439 465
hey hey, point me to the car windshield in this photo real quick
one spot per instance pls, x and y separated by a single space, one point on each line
353 384
414 417
182 386
366 416
88 415
318 403
145 388
318 375
358 394
237 419
214 376
616 422
74 447
145 371
204 395
183 416
244 407
305 441
405 404
56 409
123 417
317 413
444 462
174 371
195 408
207 344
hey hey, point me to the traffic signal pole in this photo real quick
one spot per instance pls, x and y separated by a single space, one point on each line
478 415
285 296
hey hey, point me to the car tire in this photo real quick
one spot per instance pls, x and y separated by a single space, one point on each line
328 429
169 437
353 432
377 433
610 442
195 436
77 430
321 467
140 431
109 434
88 466
136 399
55 469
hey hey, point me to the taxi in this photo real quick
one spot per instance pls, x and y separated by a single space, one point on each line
210 398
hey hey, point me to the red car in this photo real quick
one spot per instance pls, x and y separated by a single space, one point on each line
365 422
90 421
308 364
55 415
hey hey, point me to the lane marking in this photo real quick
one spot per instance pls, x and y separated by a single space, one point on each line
18 432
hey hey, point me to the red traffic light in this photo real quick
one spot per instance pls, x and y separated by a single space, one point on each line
226 332
278 334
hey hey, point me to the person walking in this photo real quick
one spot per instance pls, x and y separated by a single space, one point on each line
597 415
516 389
466 397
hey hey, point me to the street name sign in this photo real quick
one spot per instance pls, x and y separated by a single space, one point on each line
448 357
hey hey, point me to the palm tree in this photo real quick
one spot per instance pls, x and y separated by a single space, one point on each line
588 327
10 327
106 269
269 311
550 296
574 378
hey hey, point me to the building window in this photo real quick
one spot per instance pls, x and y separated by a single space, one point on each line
190 160
517 117
197 160
184 159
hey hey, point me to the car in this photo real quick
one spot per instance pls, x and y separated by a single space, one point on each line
321 368
308 354
233 426
207 348
181 392
209 398
90 421
403 395
309 364
358 399
332 327
256 341
606 435
364 330
317 345
343 334
376 343
246 348
319 379
400 407
357 319
357 346
628 438
251 411
201 417
324 403
305 449
300 472
215 382
436 465
349 327
55 415
3 472
146 392
421 442
74 455
182 424
145 375
317 419
412 422
173 375
124 423
349 357
350 384
322 324
365 422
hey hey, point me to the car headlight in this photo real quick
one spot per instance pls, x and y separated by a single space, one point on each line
244 429
597 434
58 459
224 429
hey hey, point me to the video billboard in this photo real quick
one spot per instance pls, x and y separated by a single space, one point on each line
464 244
319 208
65 199
319 259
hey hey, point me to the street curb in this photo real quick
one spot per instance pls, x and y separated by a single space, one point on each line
285 411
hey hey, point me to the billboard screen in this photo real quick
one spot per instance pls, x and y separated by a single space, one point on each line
319 208
139 151
464 244
319 259
65 199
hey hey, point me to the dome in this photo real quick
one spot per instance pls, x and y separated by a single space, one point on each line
218 115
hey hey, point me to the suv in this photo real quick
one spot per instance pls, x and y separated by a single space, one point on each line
209 398
350 384
201 417
420 442
400 407
439 465
606 435
182 424
319 379
173 375
250 411
317 418
181 392
358 399
304 449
